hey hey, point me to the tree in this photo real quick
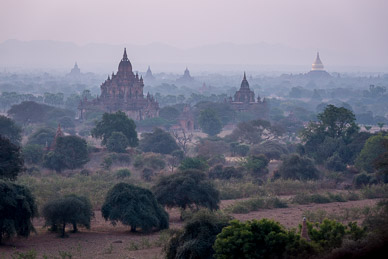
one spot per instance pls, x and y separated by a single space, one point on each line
17 209
72 209
381 163
32 154
250 132
297 167
257 165
183 139
158 141
70 153
210 122
381 125
115 122
28 112
371 151
208 148
193 163
134 206
187 189
197 237
169 113
10 130
42 137
259 239
271 149
11 161
117 142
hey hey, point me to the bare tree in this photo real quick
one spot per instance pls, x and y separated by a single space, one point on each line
182 138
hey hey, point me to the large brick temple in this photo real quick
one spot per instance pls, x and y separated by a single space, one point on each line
122 91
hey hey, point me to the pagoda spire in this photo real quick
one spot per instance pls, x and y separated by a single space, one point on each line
125 57
245 76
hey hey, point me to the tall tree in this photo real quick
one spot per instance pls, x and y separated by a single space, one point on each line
158 141
17 209
210 122
134 206
10 130
11 161
116 122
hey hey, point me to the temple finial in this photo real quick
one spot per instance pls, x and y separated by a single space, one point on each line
245 76
125 57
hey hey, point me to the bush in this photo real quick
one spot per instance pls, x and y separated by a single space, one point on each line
11 161
193 163
257 165
134 206
188 189
117 142
123 173
17 209
147 174
33 154
255 204
158 141
197 237
361 179
72 209
220 172
335 163
259 239
298 168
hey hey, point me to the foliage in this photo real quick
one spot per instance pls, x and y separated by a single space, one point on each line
70 153
71 209
197 237
361 179
208 148
32 154
42 137
381 163
158 141
117 142
154 161
10 130
123 173
239 149
210 122
147 174
255 204
257 165
335 163
298 168
187 189
220 172
271 149
134 206
169 113
259 239
371 151
17 209
250 132
11 160
193 163
115 122
66 122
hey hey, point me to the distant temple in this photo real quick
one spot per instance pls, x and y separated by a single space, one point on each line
244 100
317 69
149 75
186 78
122 91
58 134
75 71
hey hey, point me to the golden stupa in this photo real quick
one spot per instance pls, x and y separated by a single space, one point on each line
317 65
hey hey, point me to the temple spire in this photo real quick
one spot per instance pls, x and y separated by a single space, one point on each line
125 57
245 76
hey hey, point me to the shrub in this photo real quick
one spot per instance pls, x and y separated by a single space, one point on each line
259 239
123 173
257 165
193 163
147 174
361 179
158 141
72 209
298 168
255 204
17 209
220 172
134 206
11 161
197 237
335 163
32 154
117 142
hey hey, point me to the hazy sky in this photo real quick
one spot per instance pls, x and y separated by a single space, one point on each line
343 25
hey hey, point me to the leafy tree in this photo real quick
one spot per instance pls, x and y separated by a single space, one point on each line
381 163
224 110
208 148
371 151
220 172
10 130
238 149
259 239
32 154
11 161
250 132
335 163
134 206
193 163
70 153
187 189
66 122
116 122
271 149
28 112
158 141
169 113
297 167
117 142
210 122
257 165
17 209
42 137
197 237
72 209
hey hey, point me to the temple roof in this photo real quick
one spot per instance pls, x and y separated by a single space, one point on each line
317 65
125 65
244 82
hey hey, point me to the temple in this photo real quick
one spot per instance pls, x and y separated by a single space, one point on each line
244 101
122 91
75 71
186 77
317 69
149 75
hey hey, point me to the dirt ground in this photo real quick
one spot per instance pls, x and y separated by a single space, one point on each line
106 241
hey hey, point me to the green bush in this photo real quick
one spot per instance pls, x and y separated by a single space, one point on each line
32 154
257 165
147 174
193 163
255 204
361 179
123 173
220 172
298 168
117 142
